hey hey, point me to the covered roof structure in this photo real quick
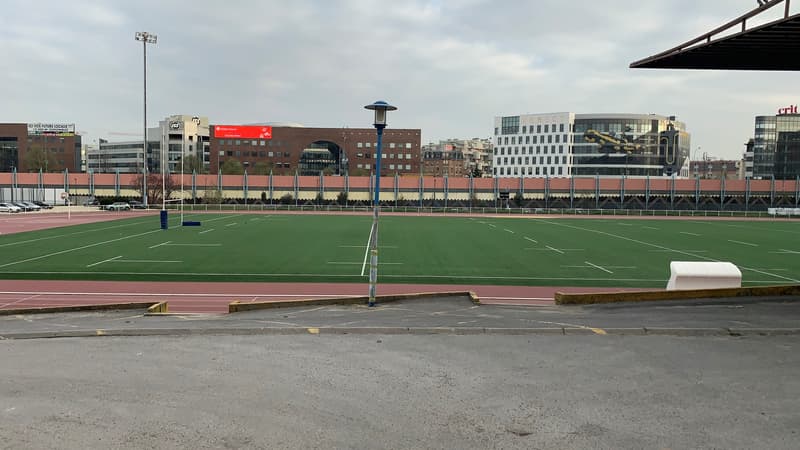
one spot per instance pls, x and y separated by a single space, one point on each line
773 46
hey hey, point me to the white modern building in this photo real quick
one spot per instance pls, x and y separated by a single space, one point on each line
175 137
566 144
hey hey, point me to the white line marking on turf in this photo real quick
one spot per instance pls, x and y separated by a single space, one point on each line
357 263
144 261
232 224
362 246
527 238
206 231
554 249
159 245
71 234
690 234
79 248
104 261
787 252
661 247
492 225
678 251
651 228
743 243
506 229
625 224
598 267
366 252
193 245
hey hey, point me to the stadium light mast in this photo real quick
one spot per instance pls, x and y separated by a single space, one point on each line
380 107
145 38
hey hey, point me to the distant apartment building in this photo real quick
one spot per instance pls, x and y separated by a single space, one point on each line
30 147
776 146
457 158
715 169
564 144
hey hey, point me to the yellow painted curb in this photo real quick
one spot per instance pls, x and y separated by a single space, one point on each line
63 309
653 296
159 308
237 306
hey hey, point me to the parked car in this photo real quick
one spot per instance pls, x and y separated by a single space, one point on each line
9 208
118 206
43 205
22 206
136 204
32 206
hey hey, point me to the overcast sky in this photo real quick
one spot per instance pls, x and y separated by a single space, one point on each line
450 66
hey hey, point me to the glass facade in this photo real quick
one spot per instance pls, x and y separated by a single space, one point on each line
764 144
787 147
9 153
634 145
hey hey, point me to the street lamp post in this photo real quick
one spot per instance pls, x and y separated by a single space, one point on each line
145 38
380 107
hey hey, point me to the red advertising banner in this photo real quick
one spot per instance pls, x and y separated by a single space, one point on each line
243 131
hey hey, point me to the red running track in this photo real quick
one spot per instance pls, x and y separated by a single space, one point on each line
190 297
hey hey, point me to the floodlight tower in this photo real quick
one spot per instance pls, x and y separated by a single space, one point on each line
145 38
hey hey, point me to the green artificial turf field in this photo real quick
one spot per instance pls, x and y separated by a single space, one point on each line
448 250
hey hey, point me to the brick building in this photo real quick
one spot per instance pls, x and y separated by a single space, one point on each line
29 147
309 151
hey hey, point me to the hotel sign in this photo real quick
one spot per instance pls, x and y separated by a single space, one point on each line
62 129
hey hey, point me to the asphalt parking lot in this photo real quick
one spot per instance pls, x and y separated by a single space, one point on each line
247 384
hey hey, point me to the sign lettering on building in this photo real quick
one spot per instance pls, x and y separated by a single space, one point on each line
62 129
791 109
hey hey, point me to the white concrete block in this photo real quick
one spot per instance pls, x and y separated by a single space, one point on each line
703 275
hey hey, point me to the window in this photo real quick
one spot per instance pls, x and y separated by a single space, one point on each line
561 128
519 159
560 170
558 138
391 145
391 166
547 128
539 129
527 139
238 142
359 145
238 153
408 144
408 155
552 170
513 140
537 171
549 138
530 170
367 144
549 160
270 154
524 129
263 143
262 154
527 160
221 153
408 166
563 160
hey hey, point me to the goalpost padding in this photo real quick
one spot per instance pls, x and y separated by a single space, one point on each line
703 275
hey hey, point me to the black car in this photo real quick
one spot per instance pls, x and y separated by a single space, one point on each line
42 205
136 204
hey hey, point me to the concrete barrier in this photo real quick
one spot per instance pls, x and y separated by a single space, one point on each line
685 275
64 309
237 306
655 296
